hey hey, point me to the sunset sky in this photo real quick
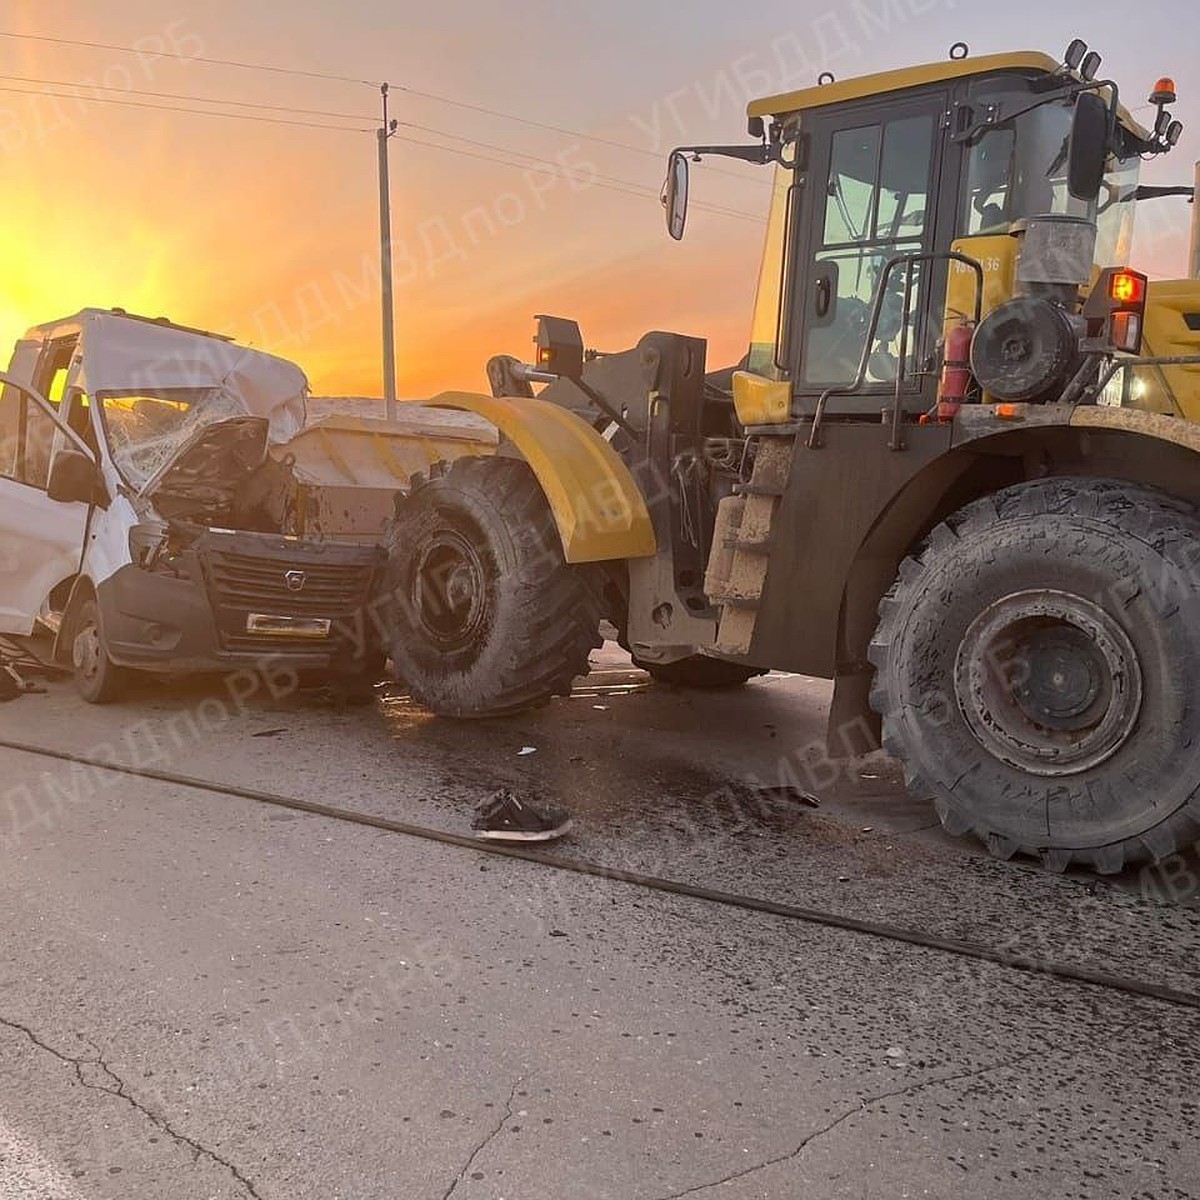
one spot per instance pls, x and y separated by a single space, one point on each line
270 231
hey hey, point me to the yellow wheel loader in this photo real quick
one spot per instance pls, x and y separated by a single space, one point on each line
956 473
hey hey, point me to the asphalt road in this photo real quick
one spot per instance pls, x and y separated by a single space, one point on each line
205 997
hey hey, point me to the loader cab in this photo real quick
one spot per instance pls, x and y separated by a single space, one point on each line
887 175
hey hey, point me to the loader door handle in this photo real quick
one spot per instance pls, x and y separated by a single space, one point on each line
824 296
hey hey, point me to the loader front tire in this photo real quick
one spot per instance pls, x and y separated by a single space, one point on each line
1037 666
483 615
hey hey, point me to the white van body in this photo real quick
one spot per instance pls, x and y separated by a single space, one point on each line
127 451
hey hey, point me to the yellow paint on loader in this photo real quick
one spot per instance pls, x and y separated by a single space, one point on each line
871 86
597 505
996 253
760 401
1170 305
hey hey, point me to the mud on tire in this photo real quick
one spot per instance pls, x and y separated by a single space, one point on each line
1037 666
483 615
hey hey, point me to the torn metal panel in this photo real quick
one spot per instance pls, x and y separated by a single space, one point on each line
350 451
341 475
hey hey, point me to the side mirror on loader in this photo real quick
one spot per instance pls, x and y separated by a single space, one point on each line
675 194
1089 147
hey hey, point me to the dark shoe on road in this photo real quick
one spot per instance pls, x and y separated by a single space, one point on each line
506 818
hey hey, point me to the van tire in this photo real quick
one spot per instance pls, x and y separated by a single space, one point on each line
97 678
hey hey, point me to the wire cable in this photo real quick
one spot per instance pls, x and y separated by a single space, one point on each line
101 87
216 62
198 112
627 187
560 129
432 96
1063 972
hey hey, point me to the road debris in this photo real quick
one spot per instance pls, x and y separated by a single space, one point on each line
505 817
786 793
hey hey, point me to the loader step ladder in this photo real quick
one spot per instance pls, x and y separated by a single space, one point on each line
739 573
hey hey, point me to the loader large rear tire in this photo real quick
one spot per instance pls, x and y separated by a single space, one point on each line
484 617
1037 666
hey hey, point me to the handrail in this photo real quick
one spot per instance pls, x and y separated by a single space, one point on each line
908 261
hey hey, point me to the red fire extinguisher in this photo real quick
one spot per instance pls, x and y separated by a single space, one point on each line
956 373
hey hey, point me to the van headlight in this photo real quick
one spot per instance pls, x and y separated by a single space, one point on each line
146 543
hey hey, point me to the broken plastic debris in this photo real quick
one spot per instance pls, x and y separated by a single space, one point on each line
526 750
789 793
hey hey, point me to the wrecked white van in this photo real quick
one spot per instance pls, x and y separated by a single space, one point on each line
130 525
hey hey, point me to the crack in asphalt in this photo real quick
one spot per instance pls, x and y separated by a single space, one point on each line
487 1140
865 1103
121 1092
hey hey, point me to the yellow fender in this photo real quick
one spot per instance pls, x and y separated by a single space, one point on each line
597 505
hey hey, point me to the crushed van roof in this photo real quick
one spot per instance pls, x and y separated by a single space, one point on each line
123 353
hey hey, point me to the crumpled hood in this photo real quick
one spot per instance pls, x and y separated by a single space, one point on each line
122 355
204 475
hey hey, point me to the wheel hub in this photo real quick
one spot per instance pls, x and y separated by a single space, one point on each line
1048 682
450 590
85 651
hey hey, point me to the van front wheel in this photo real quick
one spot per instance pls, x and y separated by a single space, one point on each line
98 679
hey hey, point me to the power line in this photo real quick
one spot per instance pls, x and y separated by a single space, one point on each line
642 192
101 87
216 62
628 187
575 133
198 112
476 108
733 212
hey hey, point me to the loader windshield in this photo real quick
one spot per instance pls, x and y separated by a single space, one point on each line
1018 170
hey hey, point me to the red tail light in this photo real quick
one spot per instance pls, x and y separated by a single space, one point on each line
1127 288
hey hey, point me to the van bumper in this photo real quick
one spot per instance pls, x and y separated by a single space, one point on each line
197 619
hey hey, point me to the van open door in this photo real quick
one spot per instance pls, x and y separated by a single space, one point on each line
41 537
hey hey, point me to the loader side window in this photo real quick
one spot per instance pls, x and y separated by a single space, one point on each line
877 200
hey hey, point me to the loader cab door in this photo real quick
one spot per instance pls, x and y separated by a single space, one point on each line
871 192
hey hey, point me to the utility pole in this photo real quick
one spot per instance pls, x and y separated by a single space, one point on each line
386 131
1194 272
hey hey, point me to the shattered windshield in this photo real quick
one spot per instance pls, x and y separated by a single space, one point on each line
147 429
